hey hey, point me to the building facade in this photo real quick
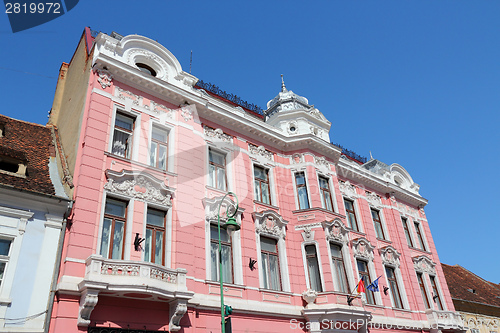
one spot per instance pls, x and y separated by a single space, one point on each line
475 299
33 208
152 151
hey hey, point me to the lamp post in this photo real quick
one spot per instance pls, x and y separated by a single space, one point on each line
231 226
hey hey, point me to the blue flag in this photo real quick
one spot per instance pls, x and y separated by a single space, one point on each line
374 285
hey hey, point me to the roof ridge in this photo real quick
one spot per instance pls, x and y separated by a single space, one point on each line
24 121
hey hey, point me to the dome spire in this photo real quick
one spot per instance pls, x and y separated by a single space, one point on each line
283 87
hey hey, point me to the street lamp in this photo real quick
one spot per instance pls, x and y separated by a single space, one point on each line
231 226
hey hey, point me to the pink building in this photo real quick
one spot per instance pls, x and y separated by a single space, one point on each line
152 151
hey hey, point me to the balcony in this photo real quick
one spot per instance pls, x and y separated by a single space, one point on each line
444 320
133 279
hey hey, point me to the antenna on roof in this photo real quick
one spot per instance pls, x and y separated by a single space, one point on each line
191 62
371 157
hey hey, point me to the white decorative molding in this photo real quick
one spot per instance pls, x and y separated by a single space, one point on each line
390 256
297 158
149 58
105 78
177 309
336 231
212 209
216 133
140 186
321 161
53 221
269 222
123 94
260 151
373 200
424 265
308 234
186 113
363 248
293 127
348 190
309 296
88 301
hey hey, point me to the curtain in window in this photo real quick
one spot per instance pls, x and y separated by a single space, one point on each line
159 247
274 277
162 158
105 237
226 264
303 201
120 143
148 244
314 275
118 240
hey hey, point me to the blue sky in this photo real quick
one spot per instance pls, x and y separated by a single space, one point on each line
414 82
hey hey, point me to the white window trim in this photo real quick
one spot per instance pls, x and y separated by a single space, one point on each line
168 232
358 215
371 272
440 293
424 238
411 232
228 156
401 287
135 131
382 221
306 270
285 279
270 176
128 223
346 257
427 290
296 195
170 144
332 191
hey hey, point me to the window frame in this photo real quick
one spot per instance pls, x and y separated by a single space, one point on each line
394 287
228 244
407 231
112 229
367 283
333 260
298 187
159 143
436 291
423 290
265 278
322 191
129 151
379 221
353 212
420 236
267 171
5 259
316 255
156 228
213 183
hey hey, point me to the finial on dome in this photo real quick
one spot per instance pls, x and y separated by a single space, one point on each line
283 87
371 157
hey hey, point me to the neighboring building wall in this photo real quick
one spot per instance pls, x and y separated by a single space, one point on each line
124 109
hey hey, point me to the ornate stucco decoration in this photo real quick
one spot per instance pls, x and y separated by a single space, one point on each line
424 264
140 186
217 134
363 248
293 127
348 190
212 208
297 158
186 113
390 256
336 231
309 296
104 78
177 309
269 222
321 161
154 61
260 151
308 234
88 301
373 200
123 94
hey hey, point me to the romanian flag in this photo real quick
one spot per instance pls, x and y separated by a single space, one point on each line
361 286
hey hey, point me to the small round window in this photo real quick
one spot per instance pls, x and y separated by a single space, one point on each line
146 69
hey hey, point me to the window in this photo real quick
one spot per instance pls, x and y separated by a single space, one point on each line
435 291
270 263
227 255
378 223
261 185
146 69
122 136
216 170
364 275
4 256
393 285
300 182
324 190
339 268
350 214
113 229
313 268
158 149
419 236
422 290
407 231
154 246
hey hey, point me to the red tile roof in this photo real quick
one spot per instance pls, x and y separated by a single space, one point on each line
467 286
31 144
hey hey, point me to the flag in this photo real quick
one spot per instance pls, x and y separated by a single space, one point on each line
361 286
374 285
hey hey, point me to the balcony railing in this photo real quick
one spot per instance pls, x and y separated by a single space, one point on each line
444 319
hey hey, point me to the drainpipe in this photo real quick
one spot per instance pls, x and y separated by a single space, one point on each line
57 266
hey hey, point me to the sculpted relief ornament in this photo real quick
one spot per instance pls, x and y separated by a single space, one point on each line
212 209
362 248
140 186
336 231
390 256
216 133
348 190
373 200
104 78
424 264
269 222
260 151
